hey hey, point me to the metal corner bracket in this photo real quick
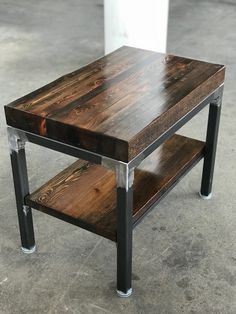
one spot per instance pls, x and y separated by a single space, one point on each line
218 96
26 209
16 139
124 174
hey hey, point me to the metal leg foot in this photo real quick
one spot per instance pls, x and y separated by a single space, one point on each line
28 251
205 197
124 295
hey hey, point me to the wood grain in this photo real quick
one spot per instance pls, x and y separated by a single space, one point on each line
84 194
119 104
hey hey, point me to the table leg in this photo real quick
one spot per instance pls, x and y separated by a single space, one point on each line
210 150
20 178
124 230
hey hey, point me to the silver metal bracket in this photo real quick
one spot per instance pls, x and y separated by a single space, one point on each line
124 175
218 96
26 209
16 139
217 101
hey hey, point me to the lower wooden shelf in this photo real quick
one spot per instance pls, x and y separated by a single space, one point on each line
84 194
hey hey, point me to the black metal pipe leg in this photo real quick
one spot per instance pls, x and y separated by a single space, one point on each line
124 232
20 178
210 150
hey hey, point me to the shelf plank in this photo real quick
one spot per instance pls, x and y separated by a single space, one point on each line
84 194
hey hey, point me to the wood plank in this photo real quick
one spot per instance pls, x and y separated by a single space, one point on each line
84 194
119 104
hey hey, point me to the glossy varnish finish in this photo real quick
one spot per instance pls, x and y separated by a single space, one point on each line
119 104
84 194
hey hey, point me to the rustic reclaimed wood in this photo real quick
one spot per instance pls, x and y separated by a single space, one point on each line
84 194
119 104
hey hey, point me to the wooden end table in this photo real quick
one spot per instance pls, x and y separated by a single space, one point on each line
119 115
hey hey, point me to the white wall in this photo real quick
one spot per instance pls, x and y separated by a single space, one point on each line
137 23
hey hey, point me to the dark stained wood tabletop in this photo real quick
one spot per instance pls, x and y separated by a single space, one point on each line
119 104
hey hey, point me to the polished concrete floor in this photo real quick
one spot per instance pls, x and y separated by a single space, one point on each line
184 258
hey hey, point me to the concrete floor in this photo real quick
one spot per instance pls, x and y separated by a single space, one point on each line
184 258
